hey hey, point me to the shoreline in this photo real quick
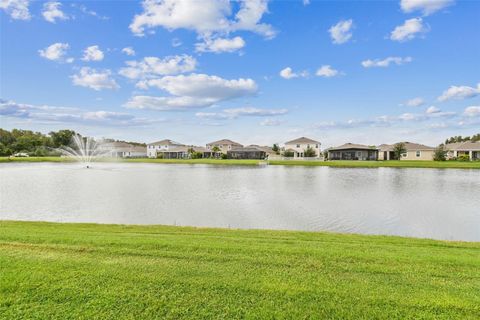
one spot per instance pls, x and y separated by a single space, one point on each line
310 163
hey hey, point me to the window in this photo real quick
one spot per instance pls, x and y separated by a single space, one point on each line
298 146
418 153
316 146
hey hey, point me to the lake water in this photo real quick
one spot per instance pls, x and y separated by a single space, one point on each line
427 203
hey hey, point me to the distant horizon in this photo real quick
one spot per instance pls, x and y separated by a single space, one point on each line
257 72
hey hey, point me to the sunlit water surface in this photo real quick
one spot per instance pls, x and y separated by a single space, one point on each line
427 203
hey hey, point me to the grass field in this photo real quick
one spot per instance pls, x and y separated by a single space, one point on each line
348 164
81 271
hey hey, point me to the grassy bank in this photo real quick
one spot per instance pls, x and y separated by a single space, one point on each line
66 271
347 164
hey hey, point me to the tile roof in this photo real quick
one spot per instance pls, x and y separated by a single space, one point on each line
302 140
347 146
224 142
166 142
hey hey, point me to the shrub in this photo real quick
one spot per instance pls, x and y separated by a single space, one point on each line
224 156
309 152
196 155
440 154
288 154
463 157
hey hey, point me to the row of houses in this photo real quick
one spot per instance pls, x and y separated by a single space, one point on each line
300 148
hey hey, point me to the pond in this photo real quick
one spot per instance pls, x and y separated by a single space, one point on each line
426 203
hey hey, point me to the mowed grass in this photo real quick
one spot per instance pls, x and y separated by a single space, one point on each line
86 271
346 164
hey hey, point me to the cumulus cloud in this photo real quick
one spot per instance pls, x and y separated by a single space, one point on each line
415 102
432 109
52 12
151 67
128 51
287 73
327 71
427 7
205 17
56 52
271 122
55 114
342 31
241 112
93 79
383 63
459 93
16 9
192 91
92 53
220 45
408 30
472 111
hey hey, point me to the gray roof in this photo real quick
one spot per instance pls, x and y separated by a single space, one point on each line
348 146
302 140
224 142
410 146
247 149
463 146
184 149
267 149
166 142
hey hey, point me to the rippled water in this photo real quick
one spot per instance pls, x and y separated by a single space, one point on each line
431 203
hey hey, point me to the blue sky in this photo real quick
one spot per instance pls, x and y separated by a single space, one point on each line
254 71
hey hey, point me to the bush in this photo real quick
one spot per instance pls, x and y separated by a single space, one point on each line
463 157
440 154
196 155
223 156
309 152
159 155
288 154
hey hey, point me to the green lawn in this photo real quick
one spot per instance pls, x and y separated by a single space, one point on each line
350 164
85 271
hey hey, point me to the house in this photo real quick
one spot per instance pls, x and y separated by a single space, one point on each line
350 151
415 151
180 152
249 152
162 145
298 147
472 149
223 146
119 149
269 153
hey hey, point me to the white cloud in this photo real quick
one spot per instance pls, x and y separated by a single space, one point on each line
204 17
472 111
271 122
432 109
128 51
426 6
326 71
287 73
176 42
93 53
89 12
17 9
306 2
96 80
52 12
192 91
241 112
151 67
220 45
55 114
56 52
459 93
415 102
386 62
342 31
409 30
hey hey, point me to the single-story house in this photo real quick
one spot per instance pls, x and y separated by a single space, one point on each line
298 147
180 152
268 150
414 151
472 149
223 146
161 146
351 151
118 149
246 153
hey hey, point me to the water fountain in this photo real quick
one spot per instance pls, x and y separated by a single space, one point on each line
84 150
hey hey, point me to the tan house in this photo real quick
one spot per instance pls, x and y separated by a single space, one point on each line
351 151
223 146
415 151
119 149
161 146
298 147
268 150
472 149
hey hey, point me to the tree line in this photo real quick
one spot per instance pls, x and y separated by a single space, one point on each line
474 138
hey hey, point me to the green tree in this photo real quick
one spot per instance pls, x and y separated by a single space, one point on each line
399 149
440 153
288 153
276 148
309 152
62 137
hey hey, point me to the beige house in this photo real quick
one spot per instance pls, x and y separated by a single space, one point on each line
268 150
472 149
118 149
415 151
298 147
161 146
351 151
223 145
